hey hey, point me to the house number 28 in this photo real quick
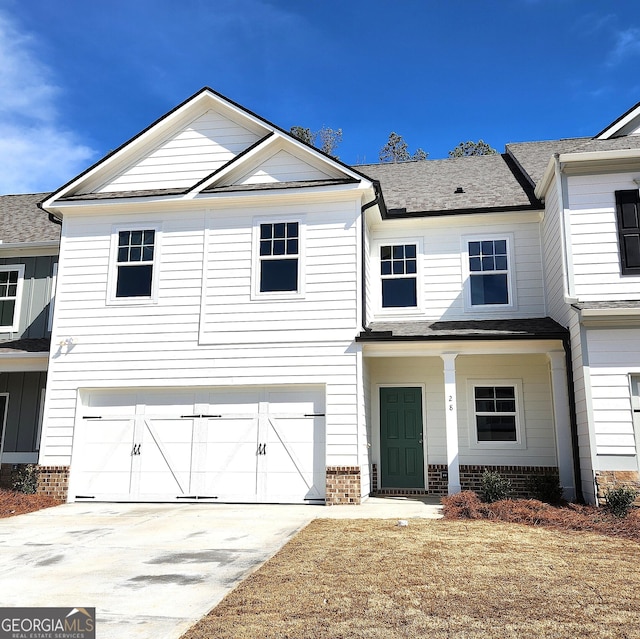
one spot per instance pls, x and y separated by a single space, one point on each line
451 402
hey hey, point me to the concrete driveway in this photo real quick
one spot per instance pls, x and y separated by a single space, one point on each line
152 570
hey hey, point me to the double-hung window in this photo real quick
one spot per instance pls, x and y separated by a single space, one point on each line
495 410
11 278
489 268
628 219
135 256
399 272
279 257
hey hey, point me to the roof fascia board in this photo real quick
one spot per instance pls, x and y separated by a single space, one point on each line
617 125
49 247
472 346
585 162
391 214
204 200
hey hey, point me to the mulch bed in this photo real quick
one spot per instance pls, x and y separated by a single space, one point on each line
14 503
467 505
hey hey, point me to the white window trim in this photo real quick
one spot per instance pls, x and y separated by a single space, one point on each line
18 298
376 277
256 293
52 296
511 273
113 265
521 440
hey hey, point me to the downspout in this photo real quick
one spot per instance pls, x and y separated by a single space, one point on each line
363 258
573 420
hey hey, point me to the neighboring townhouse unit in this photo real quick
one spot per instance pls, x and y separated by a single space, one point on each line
591 240
240 317
28 261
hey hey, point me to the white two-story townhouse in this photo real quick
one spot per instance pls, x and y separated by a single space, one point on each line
465 370
591 240
28 262
207 308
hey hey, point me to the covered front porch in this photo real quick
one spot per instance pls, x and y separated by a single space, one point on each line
443 408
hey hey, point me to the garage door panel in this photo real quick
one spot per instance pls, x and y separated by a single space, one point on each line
242 445
105 463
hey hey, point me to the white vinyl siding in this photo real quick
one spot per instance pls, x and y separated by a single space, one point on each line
442 272
283 167
329 278
614 355
594 238
186 157
235 340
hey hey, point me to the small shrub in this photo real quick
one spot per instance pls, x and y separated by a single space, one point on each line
494 486
546 488
620 500
25 479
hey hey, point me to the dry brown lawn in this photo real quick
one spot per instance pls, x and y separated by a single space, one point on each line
371 579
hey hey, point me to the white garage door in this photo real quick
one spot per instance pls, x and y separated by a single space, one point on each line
228 445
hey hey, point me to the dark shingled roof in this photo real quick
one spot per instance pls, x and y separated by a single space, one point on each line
22 221
533 157
487 182
534 328
28 345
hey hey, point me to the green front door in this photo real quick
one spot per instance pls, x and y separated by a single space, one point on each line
402 460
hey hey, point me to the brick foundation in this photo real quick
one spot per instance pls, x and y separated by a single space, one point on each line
606 479
519 476
53 481
6 475
343 485
438 479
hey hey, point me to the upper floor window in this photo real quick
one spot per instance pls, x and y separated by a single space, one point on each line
628 219
398 270
279 252
490 272
11 278
135 256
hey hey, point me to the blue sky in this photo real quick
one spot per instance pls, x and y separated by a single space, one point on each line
80 77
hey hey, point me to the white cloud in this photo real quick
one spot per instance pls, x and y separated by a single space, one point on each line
627 44
36 152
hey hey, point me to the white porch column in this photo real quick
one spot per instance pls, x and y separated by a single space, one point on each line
561 412
451 421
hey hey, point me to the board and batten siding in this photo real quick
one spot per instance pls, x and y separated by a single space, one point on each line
442 275
594 238
614 354
36 295
23 410
247 344
206 144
